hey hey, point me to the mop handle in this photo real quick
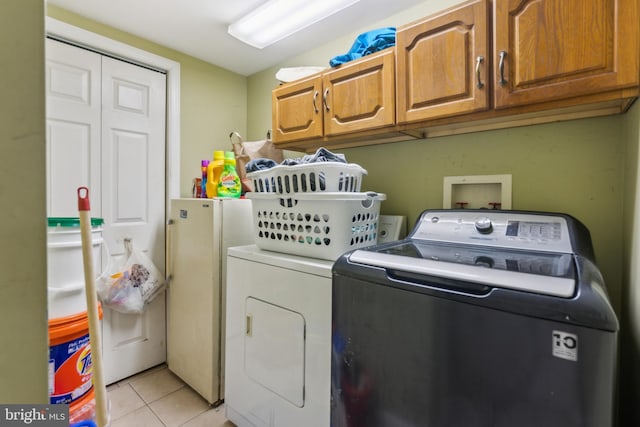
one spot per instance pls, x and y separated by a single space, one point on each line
95 338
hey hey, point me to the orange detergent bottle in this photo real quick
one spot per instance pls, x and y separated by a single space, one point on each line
214 169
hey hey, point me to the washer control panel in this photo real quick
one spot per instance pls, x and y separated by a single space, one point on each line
501 229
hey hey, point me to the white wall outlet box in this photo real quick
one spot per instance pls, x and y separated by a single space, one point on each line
391 228
477 192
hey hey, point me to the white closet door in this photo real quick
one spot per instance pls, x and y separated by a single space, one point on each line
74 117
133 192
106 131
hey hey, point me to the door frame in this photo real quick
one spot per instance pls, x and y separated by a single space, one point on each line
65 32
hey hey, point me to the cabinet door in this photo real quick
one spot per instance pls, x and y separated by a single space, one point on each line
297 111
360 95
442 64
551 49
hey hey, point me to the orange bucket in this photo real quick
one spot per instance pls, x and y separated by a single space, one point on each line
83 409
70 367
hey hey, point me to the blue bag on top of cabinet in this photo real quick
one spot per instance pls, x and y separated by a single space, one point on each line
367 43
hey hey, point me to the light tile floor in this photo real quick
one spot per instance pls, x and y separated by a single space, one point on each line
158 398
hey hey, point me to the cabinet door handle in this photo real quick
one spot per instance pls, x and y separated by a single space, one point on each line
479 60
503 54
315 106
324 99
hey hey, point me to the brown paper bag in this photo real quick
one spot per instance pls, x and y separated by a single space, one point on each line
245 151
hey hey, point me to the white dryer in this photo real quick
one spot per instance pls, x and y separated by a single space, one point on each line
278 335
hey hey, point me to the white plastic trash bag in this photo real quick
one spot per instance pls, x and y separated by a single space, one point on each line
130 283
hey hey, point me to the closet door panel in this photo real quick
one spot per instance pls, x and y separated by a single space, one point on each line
133 182
73 127
133 155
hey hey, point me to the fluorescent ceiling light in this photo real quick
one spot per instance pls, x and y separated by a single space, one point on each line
277 19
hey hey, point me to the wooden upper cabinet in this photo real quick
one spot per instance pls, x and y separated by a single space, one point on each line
547 50
296 110
482 64
442 64
360 95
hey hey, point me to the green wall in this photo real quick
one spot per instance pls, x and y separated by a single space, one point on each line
23 226
411 174
630 312
213 101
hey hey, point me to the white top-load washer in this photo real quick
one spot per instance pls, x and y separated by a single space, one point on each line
278 335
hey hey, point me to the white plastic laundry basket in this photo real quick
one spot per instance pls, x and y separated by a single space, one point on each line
321 177
317 225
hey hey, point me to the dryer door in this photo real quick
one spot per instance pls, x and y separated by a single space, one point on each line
274 349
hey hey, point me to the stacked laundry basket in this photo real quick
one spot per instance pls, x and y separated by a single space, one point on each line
314 210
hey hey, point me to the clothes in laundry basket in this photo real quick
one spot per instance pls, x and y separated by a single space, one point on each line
321 155
260 165
367 43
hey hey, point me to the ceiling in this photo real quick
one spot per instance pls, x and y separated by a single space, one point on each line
199 27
